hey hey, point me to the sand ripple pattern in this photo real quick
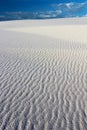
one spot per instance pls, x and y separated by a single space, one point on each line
43 89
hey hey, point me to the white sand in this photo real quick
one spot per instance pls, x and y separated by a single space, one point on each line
64 32
43 74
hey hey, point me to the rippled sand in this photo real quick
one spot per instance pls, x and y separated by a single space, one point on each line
43 78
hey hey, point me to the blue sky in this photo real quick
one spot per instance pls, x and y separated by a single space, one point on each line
31 5
28 9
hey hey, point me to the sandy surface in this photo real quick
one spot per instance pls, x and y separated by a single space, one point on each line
64 32
43 74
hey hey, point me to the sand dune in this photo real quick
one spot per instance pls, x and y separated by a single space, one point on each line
43 78
65 32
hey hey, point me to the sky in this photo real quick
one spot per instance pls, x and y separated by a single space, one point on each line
33 9
31 5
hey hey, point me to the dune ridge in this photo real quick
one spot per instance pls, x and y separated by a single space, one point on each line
43 82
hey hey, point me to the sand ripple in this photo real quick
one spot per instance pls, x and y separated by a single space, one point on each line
43 89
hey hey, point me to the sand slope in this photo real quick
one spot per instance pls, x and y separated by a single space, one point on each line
43 79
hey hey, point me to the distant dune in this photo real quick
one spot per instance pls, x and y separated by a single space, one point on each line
43 74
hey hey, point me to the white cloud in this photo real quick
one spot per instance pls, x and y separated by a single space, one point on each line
71 9
69 5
